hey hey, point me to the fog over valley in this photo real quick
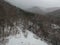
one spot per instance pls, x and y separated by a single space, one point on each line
45 5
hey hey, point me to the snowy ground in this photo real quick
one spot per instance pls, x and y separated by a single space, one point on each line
20 39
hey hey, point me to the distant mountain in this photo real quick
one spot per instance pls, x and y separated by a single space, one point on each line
55 13
52 9
36 10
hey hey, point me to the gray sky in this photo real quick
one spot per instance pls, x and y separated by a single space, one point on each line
31 3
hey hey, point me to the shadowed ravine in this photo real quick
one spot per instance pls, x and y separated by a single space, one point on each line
41 25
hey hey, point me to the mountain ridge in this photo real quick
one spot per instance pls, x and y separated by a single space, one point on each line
38 10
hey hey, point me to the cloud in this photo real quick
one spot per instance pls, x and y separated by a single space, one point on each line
30 3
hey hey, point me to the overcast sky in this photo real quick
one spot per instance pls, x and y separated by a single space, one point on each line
31 3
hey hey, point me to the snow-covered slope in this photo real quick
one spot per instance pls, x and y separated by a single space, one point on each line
19 39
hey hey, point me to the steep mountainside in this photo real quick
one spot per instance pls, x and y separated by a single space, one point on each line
41 25
56 15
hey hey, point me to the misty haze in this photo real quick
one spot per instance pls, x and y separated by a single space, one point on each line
29 22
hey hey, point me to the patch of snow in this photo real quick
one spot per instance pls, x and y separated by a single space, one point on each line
54 26
19 39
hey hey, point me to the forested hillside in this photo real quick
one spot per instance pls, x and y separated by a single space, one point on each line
41 25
